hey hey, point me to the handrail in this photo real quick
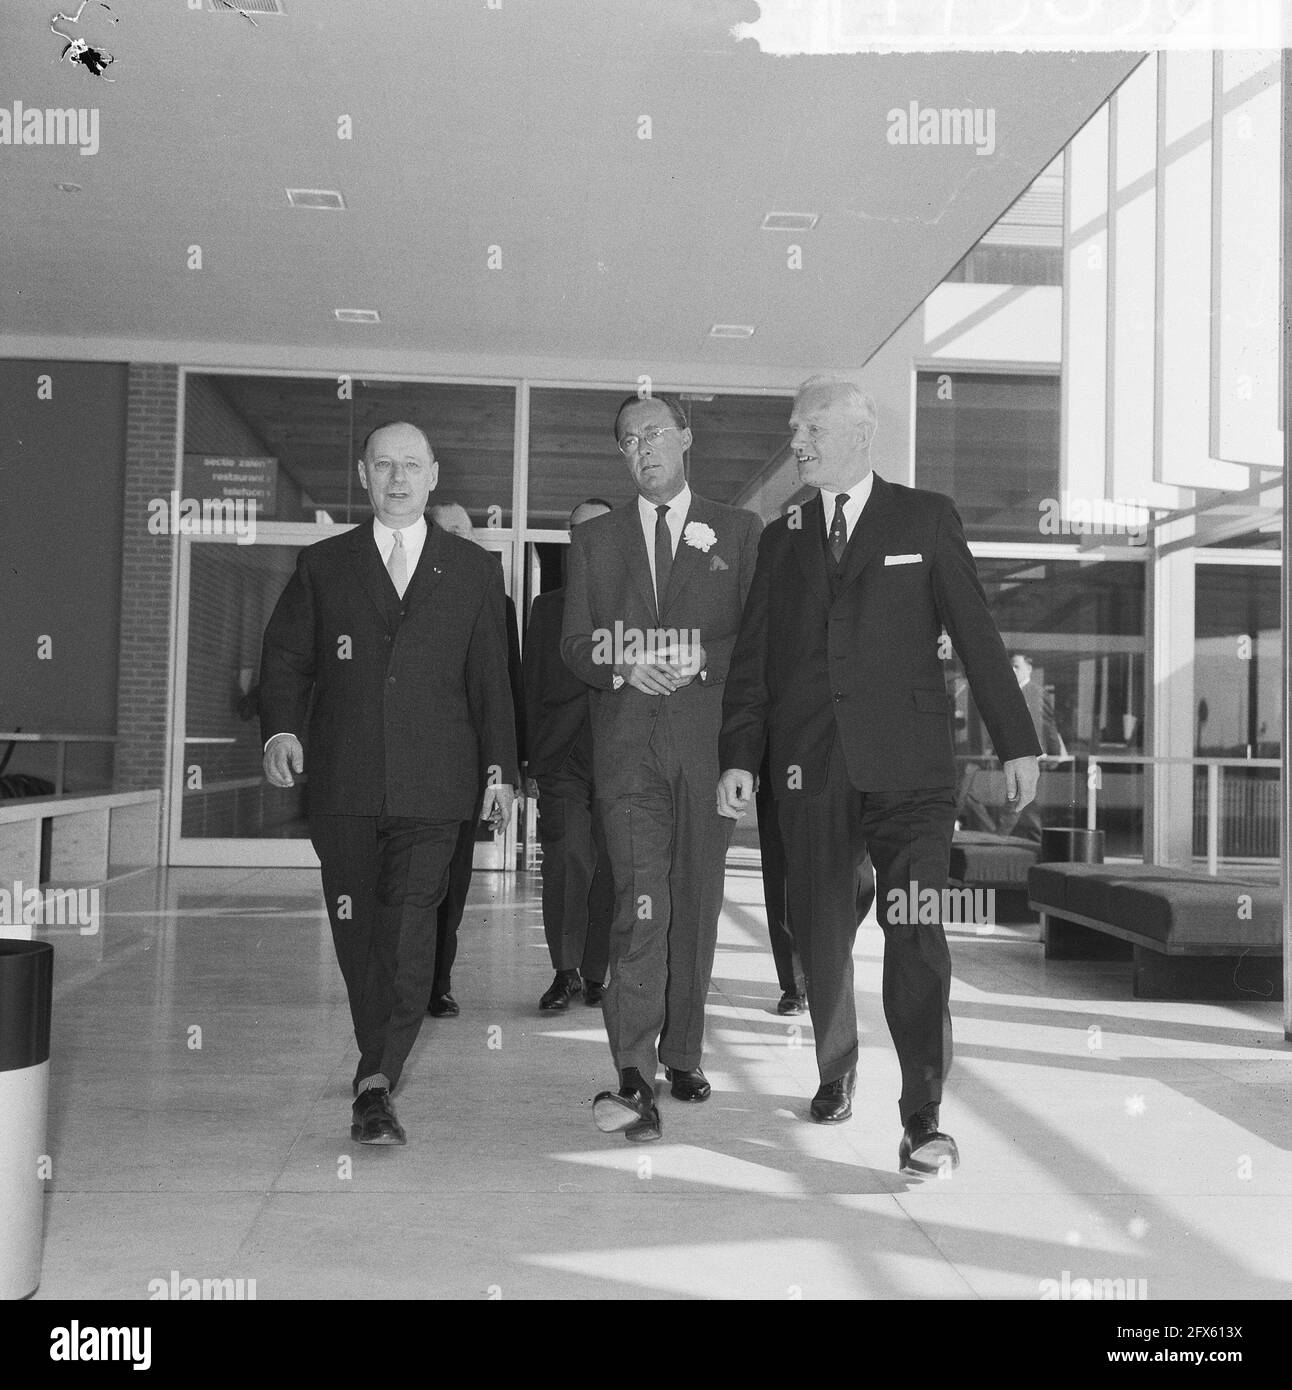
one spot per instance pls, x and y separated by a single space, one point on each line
1215 769
60 756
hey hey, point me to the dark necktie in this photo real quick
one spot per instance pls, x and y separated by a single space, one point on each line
839 528
663 557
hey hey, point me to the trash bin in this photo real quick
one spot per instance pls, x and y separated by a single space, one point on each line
26 999
1060 844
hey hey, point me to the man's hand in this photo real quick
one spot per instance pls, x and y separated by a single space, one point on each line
735 787
686 662
283 757
650 678
1021 777
499 798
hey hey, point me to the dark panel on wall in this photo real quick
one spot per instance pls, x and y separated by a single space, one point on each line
62 468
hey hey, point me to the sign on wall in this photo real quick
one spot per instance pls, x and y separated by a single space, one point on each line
216 475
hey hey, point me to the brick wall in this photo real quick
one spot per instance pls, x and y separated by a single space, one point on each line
147 576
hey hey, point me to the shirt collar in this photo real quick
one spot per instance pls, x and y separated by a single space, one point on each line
681 504
413 535
858 496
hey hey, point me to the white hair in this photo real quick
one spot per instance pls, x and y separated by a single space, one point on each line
856 402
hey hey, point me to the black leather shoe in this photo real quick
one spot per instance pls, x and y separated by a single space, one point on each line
924 1148
791 1004
688 1085
443 1006
832 1104
593 994
564 987
373 1118
630 1110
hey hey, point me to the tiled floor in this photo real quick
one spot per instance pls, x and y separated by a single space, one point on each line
199 1123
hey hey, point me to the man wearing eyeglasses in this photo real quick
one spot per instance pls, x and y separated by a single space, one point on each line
389 639
652 608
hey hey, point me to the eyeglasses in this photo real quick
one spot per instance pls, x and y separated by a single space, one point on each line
630 443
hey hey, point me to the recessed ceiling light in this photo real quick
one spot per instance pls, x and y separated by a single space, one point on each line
790 221
732 330
326 198
68 187
357 315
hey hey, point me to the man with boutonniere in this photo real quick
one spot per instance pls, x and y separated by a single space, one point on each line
653 602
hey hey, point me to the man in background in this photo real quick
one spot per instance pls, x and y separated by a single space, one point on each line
1026 824
452 517
578 889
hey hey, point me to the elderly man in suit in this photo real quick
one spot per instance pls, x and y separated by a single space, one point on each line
651 612
578 890
839 665
390 639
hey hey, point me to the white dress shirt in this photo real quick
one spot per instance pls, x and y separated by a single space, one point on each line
676 518
414 540
858 496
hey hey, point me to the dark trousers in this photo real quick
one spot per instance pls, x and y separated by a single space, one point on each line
668 855
383 878
908 836
578 886
449 917
789 968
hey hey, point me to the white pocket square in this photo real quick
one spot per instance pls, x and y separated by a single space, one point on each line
903 559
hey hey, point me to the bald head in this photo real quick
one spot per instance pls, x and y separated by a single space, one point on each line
398 472
452 517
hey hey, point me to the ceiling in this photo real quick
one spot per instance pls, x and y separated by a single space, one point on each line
514 127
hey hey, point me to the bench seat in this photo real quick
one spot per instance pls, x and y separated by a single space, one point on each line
1160 912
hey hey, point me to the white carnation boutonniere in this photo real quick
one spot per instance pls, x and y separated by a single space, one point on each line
699 535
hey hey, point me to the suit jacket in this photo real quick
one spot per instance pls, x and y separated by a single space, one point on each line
609 591
557 713
860 663
406 700
1041 708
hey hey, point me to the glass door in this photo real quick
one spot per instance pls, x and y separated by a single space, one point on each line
223 812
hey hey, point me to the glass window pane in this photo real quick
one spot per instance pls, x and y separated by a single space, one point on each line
1078 631
990 441
736 440
232 592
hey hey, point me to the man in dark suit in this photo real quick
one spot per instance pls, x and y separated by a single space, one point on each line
651 612
578 890
839 664
453 518
1025 822
390 639
771 852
